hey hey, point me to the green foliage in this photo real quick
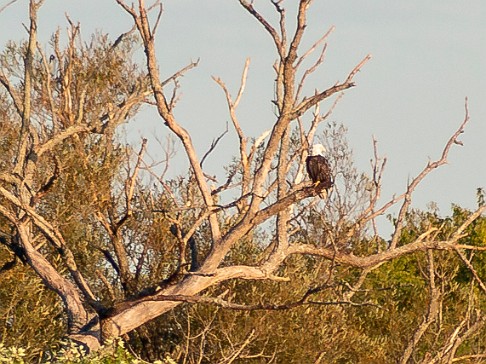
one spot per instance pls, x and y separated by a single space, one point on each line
113 352
31 316
82 175
394 300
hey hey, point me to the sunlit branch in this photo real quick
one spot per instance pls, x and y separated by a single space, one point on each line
271 30
164 109
428 168
307 103
232 105
214 143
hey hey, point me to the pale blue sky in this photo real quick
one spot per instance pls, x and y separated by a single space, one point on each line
427 57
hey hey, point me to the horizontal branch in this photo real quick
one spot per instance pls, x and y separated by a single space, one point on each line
371 260
60 137
218 301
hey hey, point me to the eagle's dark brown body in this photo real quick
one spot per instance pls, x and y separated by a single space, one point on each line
319 171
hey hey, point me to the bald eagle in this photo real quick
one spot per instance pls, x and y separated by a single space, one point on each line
52 66
319 169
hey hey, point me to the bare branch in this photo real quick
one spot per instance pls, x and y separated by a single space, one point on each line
7 5
306 104
257 143
159 15
122 36
466 328
371 260
314 47
128 9
55 281
164 110
304 301
460 231
309 71
180 73
232 105
428 168
27 94
59 138
130 184
214 143
242 83
467 357
299 32
432 312
16 98
271 30
468 264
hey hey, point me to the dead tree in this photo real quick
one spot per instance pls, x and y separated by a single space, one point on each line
270 186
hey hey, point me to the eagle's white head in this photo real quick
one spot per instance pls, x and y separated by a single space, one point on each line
317 149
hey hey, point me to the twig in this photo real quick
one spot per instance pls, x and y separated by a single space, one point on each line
271 30
130 183
122 36
471 269
7 5
316 64
214 143
232 105
180 72
159 16
468 357
237 352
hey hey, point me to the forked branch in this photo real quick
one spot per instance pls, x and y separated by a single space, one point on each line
164 108
428 168
308 103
